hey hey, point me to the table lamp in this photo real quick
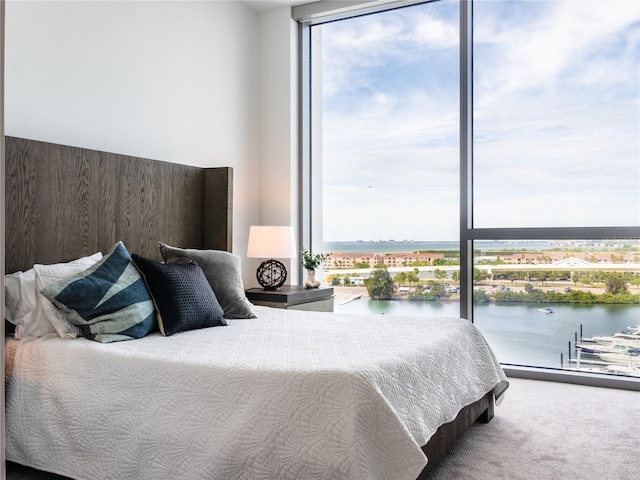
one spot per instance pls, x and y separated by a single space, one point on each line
271 242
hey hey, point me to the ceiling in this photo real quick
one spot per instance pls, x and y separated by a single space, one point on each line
264 5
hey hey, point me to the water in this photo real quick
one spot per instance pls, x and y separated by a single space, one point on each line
406 246
386 247
519 334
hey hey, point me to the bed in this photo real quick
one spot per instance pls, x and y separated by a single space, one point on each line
288 394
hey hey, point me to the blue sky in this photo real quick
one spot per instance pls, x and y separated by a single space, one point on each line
557 118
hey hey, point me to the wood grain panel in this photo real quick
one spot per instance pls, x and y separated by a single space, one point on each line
65 202
20 202
218 208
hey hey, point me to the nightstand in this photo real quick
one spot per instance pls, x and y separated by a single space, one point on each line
293 297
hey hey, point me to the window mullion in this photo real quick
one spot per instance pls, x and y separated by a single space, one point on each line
466 160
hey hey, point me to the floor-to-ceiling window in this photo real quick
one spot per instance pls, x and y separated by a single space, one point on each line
387 88
545 100
556 144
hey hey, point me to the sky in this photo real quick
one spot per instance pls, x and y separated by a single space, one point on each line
556 118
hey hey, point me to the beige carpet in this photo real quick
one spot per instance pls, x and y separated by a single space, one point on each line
555 431
541 431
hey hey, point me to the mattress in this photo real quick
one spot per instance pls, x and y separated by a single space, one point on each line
288 395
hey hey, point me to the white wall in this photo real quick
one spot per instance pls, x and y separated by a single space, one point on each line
174 81
279 193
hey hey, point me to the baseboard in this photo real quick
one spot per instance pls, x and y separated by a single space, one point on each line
577 378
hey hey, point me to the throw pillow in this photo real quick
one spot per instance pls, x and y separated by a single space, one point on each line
182 295
50 274
109 301
26 308
222 270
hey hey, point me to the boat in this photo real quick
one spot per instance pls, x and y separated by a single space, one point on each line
630 358
632 341
594 348
618 353
630 338
546 310
632 330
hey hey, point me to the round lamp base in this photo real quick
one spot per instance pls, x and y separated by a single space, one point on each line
271 274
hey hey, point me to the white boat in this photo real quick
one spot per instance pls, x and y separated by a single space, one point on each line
619 352
631 341
594 348
546 310
630 358
630 337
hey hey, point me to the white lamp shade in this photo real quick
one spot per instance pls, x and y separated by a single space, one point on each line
271 242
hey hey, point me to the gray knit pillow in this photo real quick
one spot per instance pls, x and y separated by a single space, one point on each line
222 270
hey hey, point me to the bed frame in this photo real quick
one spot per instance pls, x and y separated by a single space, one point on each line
447 434
65 202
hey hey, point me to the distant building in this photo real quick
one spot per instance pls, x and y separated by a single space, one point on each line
546 258
352 260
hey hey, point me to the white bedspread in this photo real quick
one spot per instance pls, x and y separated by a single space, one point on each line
289 395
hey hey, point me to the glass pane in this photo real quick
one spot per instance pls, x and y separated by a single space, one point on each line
556 113
389 145
540 303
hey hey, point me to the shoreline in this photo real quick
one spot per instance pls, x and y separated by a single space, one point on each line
345 295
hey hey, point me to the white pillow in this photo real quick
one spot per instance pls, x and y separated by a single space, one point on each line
19 295
27 309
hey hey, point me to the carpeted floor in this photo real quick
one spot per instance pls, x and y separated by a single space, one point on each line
554 431
541 431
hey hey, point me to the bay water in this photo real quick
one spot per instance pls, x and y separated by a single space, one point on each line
406 246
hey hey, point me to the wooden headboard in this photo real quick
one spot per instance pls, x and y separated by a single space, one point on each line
66 202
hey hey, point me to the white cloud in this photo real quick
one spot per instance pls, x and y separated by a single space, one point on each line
434 32
558 116
383 99
538 52
557 112
361 44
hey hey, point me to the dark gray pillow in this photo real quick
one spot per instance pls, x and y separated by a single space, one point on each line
222 270
182 295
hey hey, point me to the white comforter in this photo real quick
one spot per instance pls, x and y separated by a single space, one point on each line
290 395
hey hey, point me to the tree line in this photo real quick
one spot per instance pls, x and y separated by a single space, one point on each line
577 297
381 286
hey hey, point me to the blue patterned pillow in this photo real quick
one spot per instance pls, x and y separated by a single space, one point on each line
182 295
109 301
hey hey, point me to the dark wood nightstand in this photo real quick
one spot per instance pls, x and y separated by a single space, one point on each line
293 297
